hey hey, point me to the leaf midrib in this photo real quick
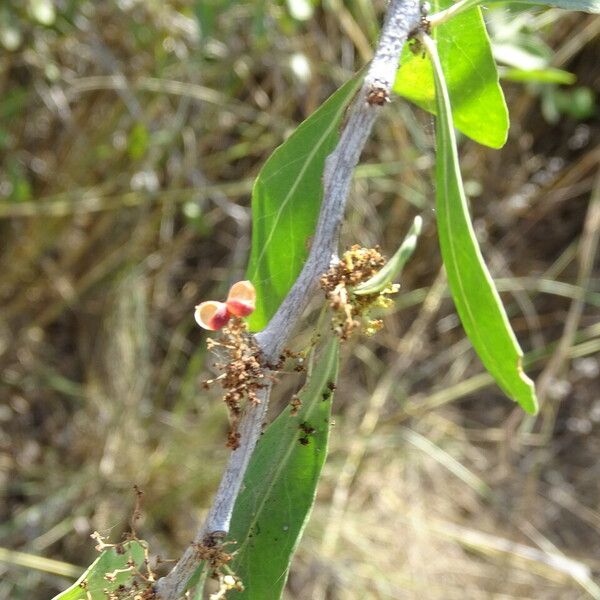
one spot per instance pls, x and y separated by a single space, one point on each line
294 187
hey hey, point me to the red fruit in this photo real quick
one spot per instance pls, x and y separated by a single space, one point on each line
241 300
212 315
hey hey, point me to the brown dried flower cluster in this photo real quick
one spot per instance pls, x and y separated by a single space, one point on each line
141 586
214 555
211 551
243 372
135 592
356 266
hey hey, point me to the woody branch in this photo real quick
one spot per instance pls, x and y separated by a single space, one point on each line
402 18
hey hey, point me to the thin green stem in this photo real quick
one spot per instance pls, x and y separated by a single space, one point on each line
456 9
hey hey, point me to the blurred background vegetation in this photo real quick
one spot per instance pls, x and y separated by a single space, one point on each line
130 133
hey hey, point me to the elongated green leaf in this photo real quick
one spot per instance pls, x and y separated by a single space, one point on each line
113 568
590 6
285 204
392 269
478 104
548 75
280 484
475 296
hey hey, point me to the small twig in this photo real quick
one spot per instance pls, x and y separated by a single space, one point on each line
403 17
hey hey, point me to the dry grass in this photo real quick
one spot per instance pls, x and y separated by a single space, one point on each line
128 151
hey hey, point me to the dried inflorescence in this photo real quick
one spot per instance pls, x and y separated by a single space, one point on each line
135 592
213 554
226 583
141 583
356 266
242 371
212 551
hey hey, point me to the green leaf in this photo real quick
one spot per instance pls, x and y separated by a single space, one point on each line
579 103
93 584
197 581
392 269
547 75
521 52
286 199
478 104
280 485
590 6
475 296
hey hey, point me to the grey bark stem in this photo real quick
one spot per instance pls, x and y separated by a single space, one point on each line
403 17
